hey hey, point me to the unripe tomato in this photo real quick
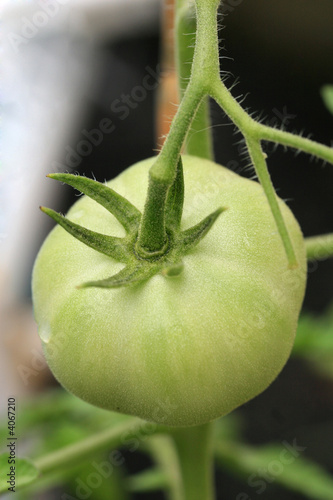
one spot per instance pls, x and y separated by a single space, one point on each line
179 350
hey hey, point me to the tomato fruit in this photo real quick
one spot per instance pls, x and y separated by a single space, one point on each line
178 350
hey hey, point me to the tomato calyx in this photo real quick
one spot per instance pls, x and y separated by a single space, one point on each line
140 263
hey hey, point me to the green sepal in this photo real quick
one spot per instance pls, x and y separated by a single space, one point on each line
163 223
175 199
108 245
126 213
191 237
130 275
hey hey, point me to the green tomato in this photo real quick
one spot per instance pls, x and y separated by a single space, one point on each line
177 350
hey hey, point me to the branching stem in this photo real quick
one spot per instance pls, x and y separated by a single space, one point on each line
205 72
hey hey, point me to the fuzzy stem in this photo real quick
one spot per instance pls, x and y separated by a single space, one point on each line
258 160
205 67
163 171
250 131
199 140
195 453
295 141
219 92
152 237
152 234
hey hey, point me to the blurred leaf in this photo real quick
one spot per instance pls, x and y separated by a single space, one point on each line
59 437
57 419
99 480
127 430
60 431
327 95
282 464
46 483
107 486
25 473
148 480
314 342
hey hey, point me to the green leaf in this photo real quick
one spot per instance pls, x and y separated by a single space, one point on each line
71 481
175 199
126 213
281 464
25 473
192 236
108 245
327 96
108 486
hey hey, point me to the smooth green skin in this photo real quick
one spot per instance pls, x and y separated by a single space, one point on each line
180 350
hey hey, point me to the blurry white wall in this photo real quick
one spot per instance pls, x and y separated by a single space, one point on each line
48 62
49 58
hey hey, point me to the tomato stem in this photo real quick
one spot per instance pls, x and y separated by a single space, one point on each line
152 234
258 159
195 453
199 139
288 139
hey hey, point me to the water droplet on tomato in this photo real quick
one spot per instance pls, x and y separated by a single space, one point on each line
45 333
